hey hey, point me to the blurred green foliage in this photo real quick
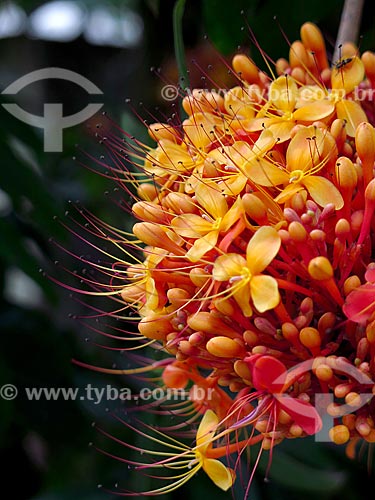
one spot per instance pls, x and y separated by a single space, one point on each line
45 444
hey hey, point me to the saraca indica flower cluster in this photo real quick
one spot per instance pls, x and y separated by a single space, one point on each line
257 281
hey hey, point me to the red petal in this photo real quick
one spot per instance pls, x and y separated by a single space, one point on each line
268 374
360 303
303 413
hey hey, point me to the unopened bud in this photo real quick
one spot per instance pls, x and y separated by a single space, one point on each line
223 347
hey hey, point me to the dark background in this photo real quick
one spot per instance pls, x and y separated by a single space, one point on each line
45 452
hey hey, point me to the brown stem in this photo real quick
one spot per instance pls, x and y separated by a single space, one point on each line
349 25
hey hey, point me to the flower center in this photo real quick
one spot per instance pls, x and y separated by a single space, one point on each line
217 224
296 176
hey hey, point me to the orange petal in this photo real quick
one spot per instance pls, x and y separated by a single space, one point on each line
264 292
218 473
322 191
206 430
352 113
348 75
202 246
262 249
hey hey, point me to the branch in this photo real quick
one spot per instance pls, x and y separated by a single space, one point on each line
349 25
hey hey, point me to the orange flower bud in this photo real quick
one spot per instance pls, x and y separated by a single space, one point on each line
368 59
199 276
207 322
155 326
298 56
149 211
324 372
282 65
338 132
246 68
297 232
159 131
346 175
181 203
365 144
147 191
223 347
320 268
313 40
250 337
339 434
310 338
175 377
242 369
178 296
155 236
255 208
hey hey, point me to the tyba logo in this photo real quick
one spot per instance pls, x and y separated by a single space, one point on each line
53 121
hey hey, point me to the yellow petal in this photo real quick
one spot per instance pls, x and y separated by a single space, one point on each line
264 292
315 111
172 157
352 113
220 475
191 226
238 102
152 296
262 249
206 430
232 216
228 266
265 142
322 191
305 149
282 129
283 93
288 192
202 246
349 75
233 184
242 297
211 199
256 124
265 173
201 129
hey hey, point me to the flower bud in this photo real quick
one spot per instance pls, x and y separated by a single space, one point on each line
246 68
320 268
223 347
339 434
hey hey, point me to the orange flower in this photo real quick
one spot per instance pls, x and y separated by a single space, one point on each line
244 275
205 229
